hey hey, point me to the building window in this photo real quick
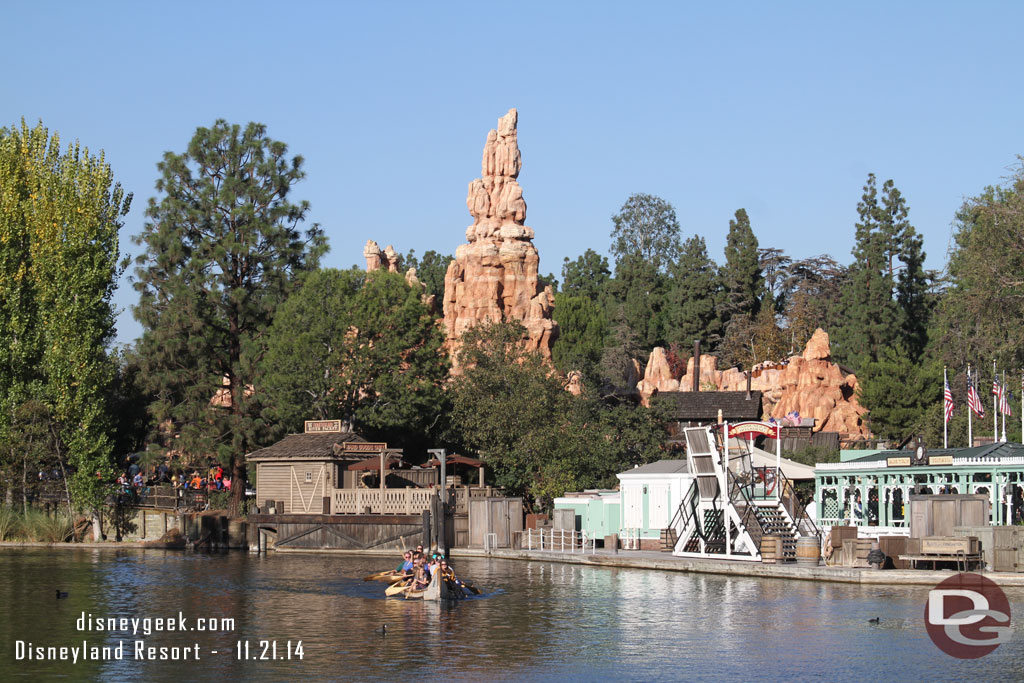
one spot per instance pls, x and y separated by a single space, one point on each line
309 477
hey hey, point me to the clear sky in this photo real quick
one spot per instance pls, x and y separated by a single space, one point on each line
781 108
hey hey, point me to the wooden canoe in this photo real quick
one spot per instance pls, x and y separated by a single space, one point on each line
431 592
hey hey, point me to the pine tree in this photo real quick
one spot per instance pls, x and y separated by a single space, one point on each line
742 279
694 289
584 331
587 276
223 250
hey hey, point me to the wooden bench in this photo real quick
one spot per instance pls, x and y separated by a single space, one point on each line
965 558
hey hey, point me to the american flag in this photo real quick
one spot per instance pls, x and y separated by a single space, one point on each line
973 400
947 397
997 390
1004 402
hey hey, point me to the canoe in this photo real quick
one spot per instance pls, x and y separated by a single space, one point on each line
431 592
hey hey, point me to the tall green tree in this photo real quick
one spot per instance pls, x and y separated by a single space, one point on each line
980 315
538 439
646 228
645 242
690 306
742 278
887 300
871 317
584 332
222 250
587 276
360 348
899 393
60 214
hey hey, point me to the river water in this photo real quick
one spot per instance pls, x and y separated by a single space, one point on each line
535 621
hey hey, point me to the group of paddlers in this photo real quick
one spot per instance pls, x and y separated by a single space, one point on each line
415 571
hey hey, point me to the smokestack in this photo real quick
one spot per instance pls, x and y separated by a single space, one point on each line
696 364
748 384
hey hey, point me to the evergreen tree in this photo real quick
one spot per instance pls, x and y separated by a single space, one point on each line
871 317
899 392
60 214
694 289
587 276
742 279
430 270
645 242
583 334
222 250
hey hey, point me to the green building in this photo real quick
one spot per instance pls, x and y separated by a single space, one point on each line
872 490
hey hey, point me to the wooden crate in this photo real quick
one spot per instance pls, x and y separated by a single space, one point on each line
893 547
949 545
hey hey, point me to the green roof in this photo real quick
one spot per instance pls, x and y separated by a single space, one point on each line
992 451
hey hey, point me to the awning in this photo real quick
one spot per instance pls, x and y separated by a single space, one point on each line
455 459
373 463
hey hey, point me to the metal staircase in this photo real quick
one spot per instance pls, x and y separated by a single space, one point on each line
732 526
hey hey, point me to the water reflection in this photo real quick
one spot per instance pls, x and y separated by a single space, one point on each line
537 620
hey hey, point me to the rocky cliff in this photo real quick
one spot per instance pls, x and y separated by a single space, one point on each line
494 276
810 384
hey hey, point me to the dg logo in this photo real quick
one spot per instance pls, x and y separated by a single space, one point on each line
967 616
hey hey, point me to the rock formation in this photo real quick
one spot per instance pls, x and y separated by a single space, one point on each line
388 259
494 276
810 384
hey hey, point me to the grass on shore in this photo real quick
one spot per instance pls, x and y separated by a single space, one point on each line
35 526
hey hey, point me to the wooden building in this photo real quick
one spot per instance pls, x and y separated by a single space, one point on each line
326 470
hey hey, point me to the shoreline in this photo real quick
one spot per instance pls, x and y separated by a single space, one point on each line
634 559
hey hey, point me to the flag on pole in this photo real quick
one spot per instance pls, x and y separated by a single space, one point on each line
947 397
997 390
973 400
1004 402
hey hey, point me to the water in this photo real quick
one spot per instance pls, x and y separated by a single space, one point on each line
536 621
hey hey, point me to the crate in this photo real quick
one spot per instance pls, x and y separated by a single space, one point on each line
949 545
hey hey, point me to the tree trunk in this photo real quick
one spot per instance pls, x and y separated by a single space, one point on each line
238 484
97 526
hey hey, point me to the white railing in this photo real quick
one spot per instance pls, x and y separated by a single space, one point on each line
1014 460
559 540
410 501
873 465
490 542
630 539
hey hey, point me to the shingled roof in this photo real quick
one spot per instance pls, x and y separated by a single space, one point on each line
703 406
315 446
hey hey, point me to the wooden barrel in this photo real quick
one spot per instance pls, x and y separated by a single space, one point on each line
771 549
808 552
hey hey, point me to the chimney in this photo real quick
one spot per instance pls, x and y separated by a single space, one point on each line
696 364
748 384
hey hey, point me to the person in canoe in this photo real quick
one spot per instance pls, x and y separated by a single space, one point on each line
421 576
406 566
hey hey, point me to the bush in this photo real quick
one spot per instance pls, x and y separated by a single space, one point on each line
38 527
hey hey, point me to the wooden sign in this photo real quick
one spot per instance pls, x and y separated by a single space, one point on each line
754 429
316 426
940 460
365 447
898 462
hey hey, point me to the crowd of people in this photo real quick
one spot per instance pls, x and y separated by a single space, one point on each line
135 479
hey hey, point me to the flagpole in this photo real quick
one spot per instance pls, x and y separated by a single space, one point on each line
970 433
1000 407
1022 406
945 430
995 408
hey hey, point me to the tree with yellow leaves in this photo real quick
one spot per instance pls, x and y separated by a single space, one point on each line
60 213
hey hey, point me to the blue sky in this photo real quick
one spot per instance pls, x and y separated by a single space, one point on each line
782 109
